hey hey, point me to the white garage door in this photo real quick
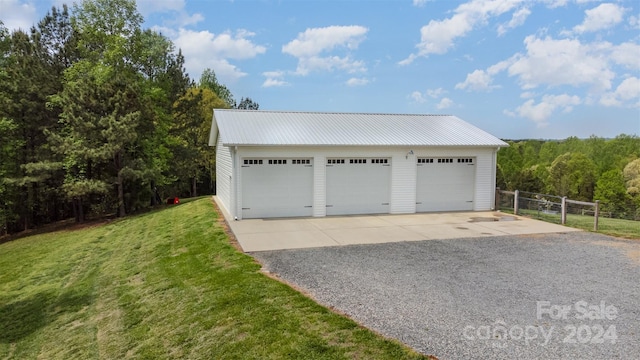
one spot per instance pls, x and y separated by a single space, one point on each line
358 185
445 184
277 187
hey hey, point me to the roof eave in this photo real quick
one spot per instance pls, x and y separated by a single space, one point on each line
213 134
370 145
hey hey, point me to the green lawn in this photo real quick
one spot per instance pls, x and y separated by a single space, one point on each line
616 227
162 285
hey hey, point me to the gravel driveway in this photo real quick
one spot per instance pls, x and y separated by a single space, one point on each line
553 296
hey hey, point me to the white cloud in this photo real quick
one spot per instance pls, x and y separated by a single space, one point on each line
444 103
480 80
601 17
422 98
518 18
273 74
438 36
317 40
274 78
477 80
329 63
311 43
408 60
225 71
236 46
542 111
357 81
146 7
552 4
418 97
175 8
274 82
420 3
184 19
203 49
16 14
435 93
562 62
629 89
626 54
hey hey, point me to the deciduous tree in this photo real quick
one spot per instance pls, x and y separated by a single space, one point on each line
612 193
573 175
193 114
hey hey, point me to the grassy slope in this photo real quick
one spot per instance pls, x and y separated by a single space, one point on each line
162 285
615 227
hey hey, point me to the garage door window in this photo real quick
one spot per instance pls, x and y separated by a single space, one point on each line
276 187
445 184
379 161
358 186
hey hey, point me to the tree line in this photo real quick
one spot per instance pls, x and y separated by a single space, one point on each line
98 116
581 169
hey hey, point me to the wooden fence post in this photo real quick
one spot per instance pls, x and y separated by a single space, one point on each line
563 216
496 206
515 202
595 216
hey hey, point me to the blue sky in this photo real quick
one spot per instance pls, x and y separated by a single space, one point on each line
517 69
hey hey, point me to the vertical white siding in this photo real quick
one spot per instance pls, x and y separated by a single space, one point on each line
319 186
485 182
236 171
403 183
223 175
403 171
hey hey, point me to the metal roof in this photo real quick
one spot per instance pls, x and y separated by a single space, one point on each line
268 128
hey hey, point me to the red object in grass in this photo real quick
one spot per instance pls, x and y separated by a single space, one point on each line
171 201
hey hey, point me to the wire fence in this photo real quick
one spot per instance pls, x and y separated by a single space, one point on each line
539 206
550 208
576 214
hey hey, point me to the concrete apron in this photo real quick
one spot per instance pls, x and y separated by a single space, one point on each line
294 233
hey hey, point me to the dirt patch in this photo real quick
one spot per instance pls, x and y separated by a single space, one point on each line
533 236
63 225
493 218
108 323
136 279
632 251
225 226
180 251
75 324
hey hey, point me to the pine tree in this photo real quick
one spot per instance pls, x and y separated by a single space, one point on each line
209 80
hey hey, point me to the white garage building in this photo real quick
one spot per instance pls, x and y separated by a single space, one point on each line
285 164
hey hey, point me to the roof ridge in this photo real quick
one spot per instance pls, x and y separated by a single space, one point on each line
329 112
